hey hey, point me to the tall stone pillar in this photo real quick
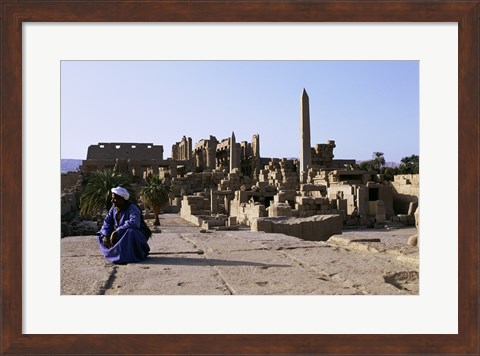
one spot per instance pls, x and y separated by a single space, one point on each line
210 151
305 150
234 161
256 145
188 149
256 156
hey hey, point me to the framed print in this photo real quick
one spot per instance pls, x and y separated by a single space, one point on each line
288 30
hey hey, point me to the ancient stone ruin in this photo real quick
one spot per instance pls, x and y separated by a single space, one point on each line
224 184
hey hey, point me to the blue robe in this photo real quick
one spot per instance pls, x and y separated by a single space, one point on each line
131 245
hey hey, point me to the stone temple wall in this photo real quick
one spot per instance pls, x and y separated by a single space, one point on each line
125 150
405 190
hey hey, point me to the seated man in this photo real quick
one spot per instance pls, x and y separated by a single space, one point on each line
120 238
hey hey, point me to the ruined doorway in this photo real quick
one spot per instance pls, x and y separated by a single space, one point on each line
373 194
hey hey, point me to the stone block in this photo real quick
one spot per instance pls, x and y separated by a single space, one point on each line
417 218
315 228
380 216
242 196
334 203
301 200
332 196
413 240
342 204
412 207
299 207
408 220
261 224
362 201
310 187
279 209
232 220
177 201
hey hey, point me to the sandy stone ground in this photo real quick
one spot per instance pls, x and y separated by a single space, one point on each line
186 261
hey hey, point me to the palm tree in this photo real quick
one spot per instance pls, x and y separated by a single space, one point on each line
155 195
378 160
410 165
97 193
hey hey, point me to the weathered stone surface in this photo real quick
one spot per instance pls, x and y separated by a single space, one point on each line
178 274
184 261
412 207
316 227
413 240
380 212
405 189
380 241
279 209
84 274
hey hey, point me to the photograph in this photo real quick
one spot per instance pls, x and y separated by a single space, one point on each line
240 177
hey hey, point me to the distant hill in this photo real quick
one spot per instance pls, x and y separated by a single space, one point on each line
70 165
387 164
392 164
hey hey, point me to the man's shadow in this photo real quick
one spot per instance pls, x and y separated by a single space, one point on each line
203 262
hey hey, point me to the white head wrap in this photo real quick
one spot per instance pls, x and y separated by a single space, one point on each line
121 192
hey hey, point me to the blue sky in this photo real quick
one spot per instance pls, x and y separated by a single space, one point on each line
365 106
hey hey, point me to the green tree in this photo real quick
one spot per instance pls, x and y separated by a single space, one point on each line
155 195
378 160
97 193
410 165
366 165
389 173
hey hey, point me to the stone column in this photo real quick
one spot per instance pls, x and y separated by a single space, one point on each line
210 152
173 169
256 145
188 148
256 156
305 150
213 202
227 204
362 201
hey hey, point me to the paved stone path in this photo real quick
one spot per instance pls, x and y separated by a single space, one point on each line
186 261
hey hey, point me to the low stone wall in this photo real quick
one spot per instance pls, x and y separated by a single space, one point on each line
246 212
210 222
69 204
70 179
195 205
314 228
279 209
405 190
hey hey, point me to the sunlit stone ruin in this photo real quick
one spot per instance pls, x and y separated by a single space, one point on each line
225 184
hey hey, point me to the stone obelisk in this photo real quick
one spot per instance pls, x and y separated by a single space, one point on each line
305 150
233 153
